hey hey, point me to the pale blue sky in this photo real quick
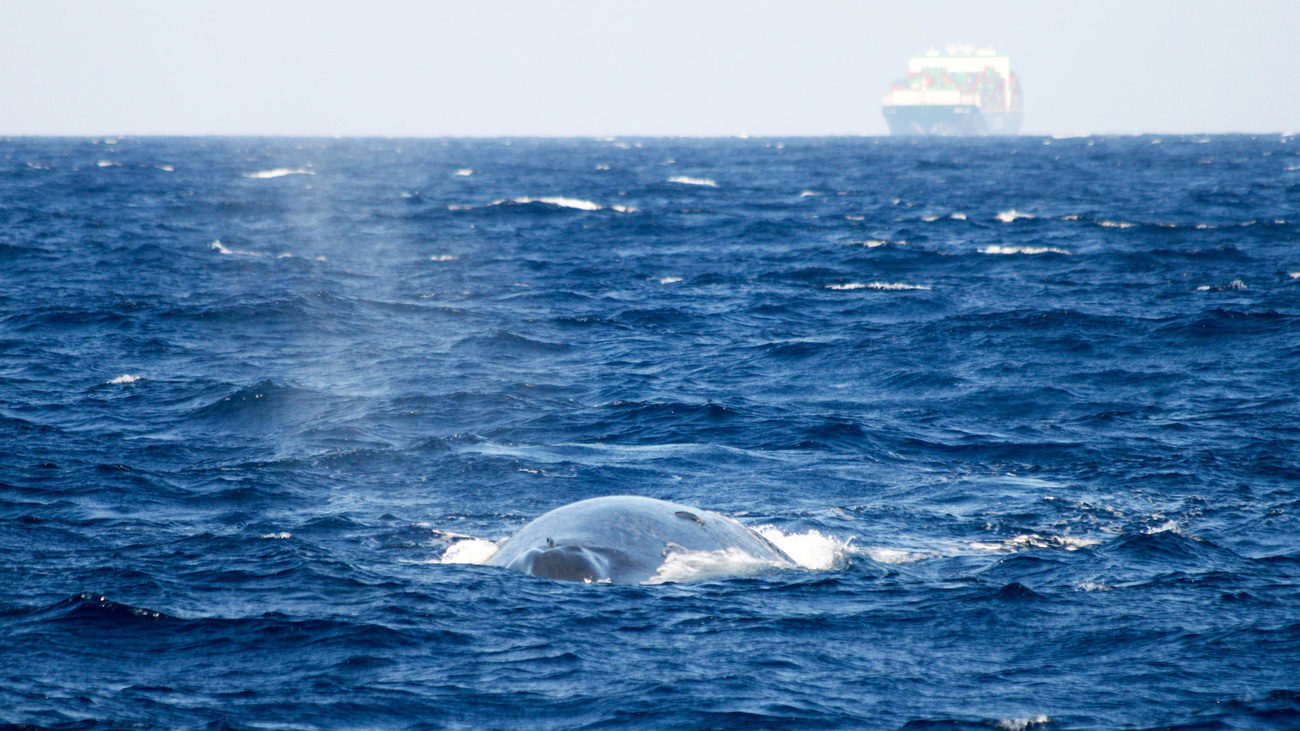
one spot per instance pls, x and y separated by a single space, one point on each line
647 67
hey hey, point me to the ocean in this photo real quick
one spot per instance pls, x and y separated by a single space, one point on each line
1023 410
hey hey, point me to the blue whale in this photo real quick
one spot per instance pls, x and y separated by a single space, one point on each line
625 540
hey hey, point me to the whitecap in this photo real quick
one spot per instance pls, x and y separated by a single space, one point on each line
687 180
895 556
1094 586
1116 224
1169 526
1020 724
282 535
563 202
166 168
1294 275
958 216
885 286
1011 215
279 173
995 249
578 203
127 378
1234 284
465 172
929 219
108 164
221 249
807 193
670 280
443 257
1035 540
476 551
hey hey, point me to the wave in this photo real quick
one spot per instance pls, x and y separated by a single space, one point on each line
689 567
1027 541
578 204
221 248
877 243
89 608
687 180
891 286
278 173
1011 215
474 551
996 249
562 202
1234 284
811 549
127 378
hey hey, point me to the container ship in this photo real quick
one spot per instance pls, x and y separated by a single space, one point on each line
959 92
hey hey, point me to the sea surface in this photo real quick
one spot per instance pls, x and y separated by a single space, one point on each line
1026 412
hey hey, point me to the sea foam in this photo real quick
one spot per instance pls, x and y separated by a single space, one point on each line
1028 541
278 173
687 180
1234 284
577 204
892 286
995 249
695 566
810 549
1011 215
475 551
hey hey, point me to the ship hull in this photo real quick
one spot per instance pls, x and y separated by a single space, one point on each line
949 120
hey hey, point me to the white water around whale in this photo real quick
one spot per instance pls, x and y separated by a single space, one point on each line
811 550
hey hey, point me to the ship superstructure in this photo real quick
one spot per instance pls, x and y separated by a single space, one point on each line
961 91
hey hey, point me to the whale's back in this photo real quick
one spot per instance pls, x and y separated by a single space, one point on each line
624 539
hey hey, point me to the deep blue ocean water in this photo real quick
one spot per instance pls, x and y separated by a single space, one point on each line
1025 408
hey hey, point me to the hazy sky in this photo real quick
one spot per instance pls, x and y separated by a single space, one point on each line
646 67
